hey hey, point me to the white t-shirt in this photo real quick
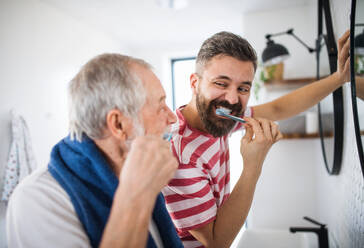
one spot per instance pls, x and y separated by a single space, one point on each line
40 214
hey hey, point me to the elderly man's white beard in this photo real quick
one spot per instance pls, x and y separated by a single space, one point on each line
138 130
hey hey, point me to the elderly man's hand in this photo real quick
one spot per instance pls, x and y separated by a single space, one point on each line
148 167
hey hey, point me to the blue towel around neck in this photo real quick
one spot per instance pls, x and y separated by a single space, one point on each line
83 172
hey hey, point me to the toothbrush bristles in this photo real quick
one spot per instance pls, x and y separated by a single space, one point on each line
224 110
221 112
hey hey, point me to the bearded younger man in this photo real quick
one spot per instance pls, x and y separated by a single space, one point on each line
198 198
102 185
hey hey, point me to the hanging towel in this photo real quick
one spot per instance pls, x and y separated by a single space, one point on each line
83 172
21 161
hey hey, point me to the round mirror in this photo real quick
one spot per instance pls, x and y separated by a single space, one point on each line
357 73
331 112
326 118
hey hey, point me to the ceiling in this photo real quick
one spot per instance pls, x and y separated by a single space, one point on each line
142 23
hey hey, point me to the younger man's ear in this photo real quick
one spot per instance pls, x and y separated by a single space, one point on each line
116 124
194 81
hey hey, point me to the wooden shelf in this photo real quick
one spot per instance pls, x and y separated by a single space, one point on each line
288 84
305 135
306 80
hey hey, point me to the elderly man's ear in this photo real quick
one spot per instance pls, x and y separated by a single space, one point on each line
117 124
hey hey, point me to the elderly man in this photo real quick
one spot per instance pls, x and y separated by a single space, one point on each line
102 185
198 198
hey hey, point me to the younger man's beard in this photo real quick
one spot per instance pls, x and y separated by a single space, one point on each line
215 125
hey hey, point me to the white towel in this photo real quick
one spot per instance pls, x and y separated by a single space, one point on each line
21 161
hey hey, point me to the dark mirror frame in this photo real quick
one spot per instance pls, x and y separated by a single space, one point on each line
324 10
353 87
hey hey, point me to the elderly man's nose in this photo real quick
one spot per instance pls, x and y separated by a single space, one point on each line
172 118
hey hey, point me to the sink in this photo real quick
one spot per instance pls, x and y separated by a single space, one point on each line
272 238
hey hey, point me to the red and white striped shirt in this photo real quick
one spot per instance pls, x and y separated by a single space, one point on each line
202 182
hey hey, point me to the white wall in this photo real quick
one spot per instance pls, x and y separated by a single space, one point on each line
287 188
41 50
303 19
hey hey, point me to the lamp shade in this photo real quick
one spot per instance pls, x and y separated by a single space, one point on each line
359 43
274 53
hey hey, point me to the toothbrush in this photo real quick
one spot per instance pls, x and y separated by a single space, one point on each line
226 113
167 136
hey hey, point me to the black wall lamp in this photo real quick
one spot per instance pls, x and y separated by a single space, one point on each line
276 53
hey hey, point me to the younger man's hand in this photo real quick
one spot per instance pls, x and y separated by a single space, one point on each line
343 59
260 135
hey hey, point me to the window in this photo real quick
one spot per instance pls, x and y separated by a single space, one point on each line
182 68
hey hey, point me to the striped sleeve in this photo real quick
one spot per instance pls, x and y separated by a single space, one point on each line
190 199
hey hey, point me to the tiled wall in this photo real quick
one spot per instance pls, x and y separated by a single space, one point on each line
341 198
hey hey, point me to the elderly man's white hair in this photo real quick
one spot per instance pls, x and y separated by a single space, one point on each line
106 82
